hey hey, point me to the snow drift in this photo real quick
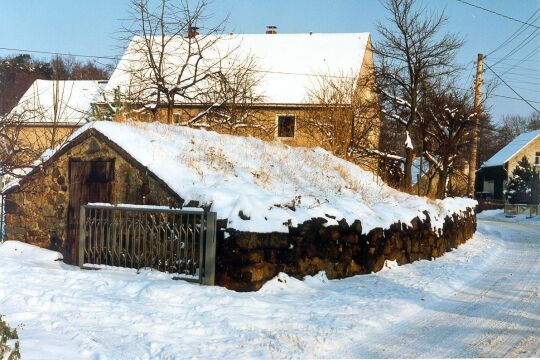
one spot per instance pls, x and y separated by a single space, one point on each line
267 186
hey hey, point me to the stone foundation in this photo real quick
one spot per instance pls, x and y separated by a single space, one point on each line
245 261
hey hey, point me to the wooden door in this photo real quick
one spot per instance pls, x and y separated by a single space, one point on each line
89 182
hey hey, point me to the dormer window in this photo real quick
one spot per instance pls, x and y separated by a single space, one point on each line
286 126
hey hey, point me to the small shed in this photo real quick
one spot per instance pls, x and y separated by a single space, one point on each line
42 208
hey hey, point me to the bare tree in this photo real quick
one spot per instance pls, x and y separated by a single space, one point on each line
170 63
412 52
345 119
230 104
13 154
36 124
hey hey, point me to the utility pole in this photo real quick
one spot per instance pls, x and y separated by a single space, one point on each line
477 109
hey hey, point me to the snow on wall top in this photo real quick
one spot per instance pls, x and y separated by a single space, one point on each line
510 150
288 64
73 99
271 183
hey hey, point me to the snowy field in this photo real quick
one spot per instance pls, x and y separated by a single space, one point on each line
479 300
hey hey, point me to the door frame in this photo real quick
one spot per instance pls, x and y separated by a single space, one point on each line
69 195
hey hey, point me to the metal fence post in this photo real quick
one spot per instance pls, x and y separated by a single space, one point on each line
210 250
82 235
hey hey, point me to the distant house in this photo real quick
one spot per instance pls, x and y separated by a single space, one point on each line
289 67
492 176
50 110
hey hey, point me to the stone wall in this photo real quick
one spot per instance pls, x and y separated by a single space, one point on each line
245 261
37 211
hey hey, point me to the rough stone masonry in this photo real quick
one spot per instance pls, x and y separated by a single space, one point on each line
245 260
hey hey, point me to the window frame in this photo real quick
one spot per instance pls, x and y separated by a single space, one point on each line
278 116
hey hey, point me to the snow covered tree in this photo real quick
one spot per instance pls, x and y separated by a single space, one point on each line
447 121
412 52
524 185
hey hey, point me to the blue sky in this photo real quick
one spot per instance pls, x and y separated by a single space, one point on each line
92 27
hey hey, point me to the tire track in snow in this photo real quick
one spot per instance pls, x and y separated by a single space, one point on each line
496 315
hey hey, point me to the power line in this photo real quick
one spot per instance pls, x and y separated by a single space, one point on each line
520 46
525 71
529 55
133 60
515 34
514 98
497 13
59 53
510 59
501 96
511 88
263 71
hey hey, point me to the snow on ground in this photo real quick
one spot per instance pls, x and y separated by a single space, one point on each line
64 312
499 215
269 182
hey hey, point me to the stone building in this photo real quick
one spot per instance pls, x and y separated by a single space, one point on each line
292 92
42 208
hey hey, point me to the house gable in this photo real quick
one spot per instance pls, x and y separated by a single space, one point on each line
37 208
513 149
82 138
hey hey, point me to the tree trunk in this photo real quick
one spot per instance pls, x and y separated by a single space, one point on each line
170 106
441 185
407 173
409 153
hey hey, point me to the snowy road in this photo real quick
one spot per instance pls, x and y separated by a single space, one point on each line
479 300
496 315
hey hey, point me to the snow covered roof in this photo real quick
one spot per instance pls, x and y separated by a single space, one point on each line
271 183
72 98
510 150
288 64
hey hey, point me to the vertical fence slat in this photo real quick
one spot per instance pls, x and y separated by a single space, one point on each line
82 236
210 250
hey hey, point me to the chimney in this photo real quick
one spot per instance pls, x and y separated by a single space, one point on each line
193 31
271 29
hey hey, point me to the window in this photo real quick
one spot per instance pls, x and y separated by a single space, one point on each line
489 186
537 159
286 124
177 118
